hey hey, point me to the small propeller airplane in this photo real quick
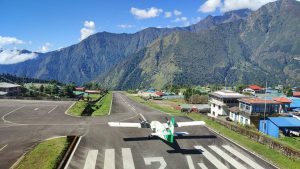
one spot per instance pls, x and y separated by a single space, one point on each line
165 131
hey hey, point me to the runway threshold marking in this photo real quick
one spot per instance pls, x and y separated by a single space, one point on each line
202 166
127 159
228 158
242 157
90 162
52 110
211 158
190 162
3 147
162 162
109 159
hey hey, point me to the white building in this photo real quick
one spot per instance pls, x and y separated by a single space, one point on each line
221 101
9 89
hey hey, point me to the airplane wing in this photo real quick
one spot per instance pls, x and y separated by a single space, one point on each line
122 124
190 123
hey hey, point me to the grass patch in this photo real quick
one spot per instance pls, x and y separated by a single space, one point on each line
94 96
103 105
78 108
45 155
276 157
168 110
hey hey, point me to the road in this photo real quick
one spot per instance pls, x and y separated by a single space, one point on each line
128 148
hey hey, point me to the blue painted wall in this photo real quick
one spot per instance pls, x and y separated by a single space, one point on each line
271 129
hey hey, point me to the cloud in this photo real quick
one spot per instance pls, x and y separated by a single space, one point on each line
4 41
45 47
177 13
182 19
88 29
146 13
168 14
14 56
230 5
125 26
210 6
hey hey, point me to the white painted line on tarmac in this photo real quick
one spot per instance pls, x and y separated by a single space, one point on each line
90 162
109 159
52 110
242 157
71 156
211 158
162 162
127 159
3 117
36 109
3 147
202 166
190 162
112 97
227 157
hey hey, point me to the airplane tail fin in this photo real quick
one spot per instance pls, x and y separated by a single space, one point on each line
170 135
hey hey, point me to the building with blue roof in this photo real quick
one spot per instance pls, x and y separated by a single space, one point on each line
295 103
273 125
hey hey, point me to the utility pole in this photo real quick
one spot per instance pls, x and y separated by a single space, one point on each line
264 124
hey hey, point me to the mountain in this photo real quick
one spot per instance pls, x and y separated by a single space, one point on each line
97 54
240 47
91 57
263 46
212 21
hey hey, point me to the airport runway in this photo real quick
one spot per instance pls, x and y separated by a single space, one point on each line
24 123
128 148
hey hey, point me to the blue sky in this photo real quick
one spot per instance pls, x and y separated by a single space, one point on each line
43 25
59 22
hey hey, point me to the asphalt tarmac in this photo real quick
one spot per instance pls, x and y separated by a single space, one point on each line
26 123
129 148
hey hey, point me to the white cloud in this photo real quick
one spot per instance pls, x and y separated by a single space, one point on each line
168 14
146 13
230 5
14 56
125 26
45 47
177 13
181 19
184 20
88 29
210 6
4 41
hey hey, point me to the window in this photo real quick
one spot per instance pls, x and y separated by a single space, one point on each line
219 107
246 121
242 119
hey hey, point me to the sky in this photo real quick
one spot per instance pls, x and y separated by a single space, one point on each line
46 25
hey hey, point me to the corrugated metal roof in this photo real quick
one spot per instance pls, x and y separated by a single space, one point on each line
285 121
295 102
8 85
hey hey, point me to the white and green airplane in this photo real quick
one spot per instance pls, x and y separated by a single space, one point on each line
165 131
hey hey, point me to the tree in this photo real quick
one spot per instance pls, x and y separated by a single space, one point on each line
289 92
42 88
198 99
188 93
